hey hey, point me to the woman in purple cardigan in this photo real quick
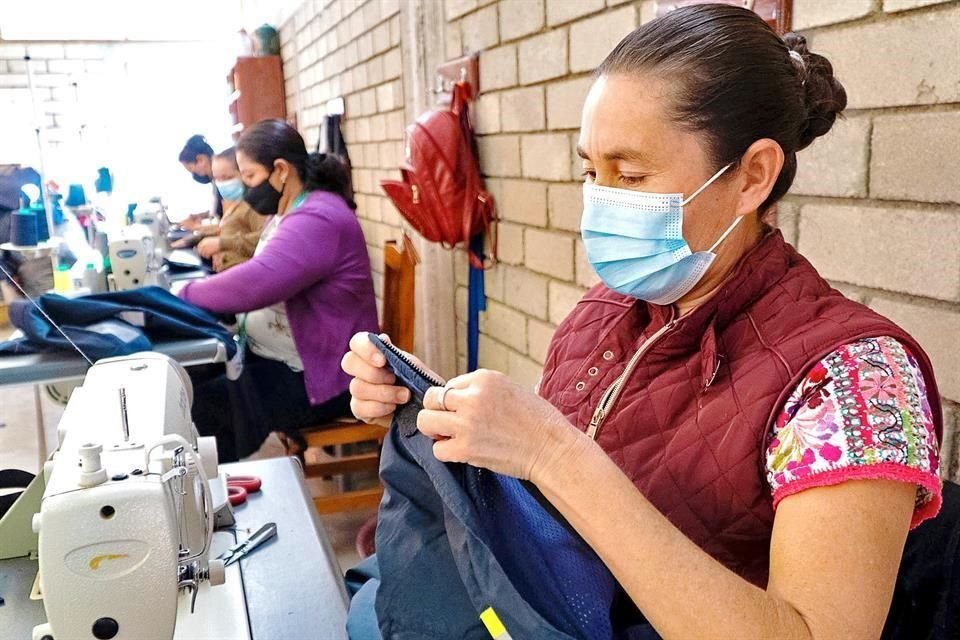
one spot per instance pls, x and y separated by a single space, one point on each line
307 289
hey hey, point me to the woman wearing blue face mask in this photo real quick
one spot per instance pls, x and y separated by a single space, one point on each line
743 448
234 238
240 226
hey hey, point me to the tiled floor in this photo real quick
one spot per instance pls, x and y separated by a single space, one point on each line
18 450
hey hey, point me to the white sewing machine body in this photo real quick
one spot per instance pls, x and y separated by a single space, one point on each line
134 258
153 215
126 518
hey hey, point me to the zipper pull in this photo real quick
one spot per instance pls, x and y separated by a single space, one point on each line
595 422
416 193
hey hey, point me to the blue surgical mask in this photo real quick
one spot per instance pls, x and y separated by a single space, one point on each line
230 189
634 240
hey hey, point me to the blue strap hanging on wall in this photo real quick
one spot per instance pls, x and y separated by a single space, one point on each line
476 302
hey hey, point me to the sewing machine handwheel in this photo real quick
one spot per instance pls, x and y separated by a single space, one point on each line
217 573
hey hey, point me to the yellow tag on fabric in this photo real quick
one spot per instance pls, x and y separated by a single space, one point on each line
492 622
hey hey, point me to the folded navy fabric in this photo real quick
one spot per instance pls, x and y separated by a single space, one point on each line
106 325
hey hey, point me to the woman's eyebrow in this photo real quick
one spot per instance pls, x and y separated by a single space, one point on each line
619 153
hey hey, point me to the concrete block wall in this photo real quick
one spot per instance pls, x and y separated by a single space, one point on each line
56 66
351 49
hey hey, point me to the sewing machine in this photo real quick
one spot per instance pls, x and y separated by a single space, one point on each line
127 516
153 215
134 258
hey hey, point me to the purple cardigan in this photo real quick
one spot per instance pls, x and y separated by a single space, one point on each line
317 264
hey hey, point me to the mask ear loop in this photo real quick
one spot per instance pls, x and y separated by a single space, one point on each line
706 184
725 234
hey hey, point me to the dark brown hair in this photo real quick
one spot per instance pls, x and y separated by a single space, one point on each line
194 147
270 140
229 154
734 79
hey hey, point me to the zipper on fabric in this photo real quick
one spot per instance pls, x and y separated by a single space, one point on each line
612 393
407 360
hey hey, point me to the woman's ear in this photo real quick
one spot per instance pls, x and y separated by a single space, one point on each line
282 169
759 169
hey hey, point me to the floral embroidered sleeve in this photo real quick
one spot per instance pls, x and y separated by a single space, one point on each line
860 413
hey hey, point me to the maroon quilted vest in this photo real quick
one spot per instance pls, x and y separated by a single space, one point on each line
689 424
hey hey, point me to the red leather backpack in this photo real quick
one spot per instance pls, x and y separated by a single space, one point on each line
441 194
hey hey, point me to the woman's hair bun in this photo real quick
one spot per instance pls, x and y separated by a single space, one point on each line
823 95
328 172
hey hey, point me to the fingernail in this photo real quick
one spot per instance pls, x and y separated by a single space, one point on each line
379 360
403 396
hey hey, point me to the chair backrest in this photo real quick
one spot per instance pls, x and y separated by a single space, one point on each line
399 268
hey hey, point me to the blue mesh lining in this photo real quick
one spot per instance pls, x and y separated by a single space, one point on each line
551 567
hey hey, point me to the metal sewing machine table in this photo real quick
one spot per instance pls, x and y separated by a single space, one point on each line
54 366
292 585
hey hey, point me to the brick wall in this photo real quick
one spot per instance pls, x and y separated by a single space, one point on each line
874 206
133 102
351 49
56 66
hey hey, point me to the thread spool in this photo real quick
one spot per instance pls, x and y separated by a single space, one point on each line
43 232
23 228
76 196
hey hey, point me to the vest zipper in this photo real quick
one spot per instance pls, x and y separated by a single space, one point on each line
612 393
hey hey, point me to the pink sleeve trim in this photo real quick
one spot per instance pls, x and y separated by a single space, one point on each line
879 471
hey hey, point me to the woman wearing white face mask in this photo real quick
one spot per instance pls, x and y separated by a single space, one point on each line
240 226
743 448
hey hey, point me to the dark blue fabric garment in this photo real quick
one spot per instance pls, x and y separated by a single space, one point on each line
362 582
437 571
453 540
107 325
549 565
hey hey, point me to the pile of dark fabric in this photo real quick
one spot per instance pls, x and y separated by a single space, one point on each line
107 325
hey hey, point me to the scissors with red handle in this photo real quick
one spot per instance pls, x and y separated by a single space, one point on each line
239 487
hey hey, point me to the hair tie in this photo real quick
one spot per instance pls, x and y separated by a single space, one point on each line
799 58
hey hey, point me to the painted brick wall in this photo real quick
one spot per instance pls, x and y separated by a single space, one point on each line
351 49
876 203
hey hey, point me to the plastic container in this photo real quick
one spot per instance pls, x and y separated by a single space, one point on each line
62 282
94 279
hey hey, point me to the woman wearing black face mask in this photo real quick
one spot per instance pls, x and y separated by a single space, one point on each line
197 158
306 290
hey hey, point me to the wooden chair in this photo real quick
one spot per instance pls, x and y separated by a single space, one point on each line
399 262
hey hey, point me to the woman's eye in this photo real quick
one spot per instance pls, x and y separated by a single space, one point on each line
631 181
589 176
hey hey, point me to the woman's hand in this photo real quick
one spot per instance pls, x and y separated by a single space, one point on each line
193 221
494 423
208 247
375 396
